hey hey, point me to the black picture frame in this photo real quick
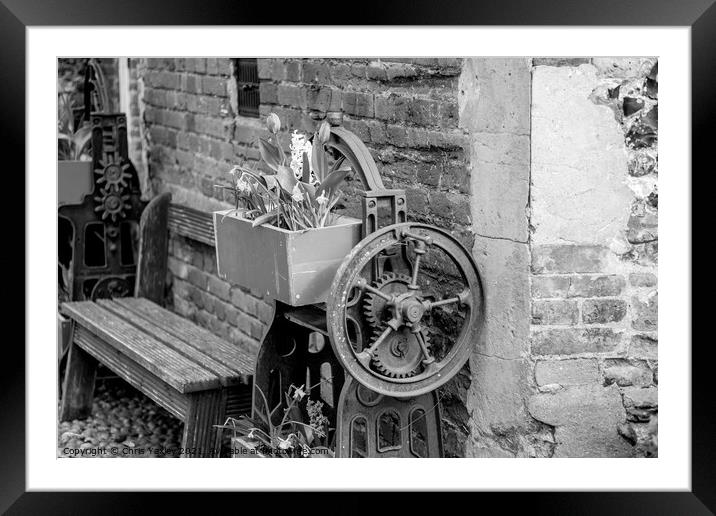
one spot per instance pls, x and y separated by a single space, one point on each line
700 15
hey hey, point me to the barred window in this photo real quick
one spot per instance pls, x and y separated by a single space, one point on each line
247 82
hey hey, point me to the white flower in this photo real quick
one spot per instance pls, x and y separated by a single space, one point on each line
285 444
297 195
322 199
299 145
242 185
299 393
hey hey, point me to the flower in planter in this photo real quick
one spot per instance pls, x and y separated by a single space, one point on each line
297 196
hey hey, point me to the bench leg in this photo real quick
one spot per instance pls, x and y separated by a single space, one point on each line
78 389
206 409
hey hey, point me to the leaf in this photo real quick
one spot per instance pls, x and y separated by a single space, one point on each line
332 182
306 169
81 140
319 161
286 178
270 153
308 189
263 219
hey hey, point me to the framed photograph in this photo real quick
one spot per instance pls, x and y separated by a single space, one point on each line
434 238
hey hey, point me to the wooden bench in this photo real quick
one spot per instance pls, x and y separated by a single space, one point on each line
195 375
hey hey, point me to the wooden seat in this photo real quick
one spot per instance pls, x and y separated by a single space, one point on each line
195 375
184 368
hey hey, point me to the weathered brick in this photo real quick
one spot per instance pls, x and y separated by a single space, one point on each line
570 341
560 61
399 71
558 312
643 228
358 103
640 403
237 297
645 312
627 372
220 309
314 71
266 312
292 70
643 346
268 92
208 302
264 68
642 279
212 66
197 278
376 71
595 286
214 85
257 329
392 107
195 64
566 372
323 98
601 311
292 95
568 258
178 268
549 286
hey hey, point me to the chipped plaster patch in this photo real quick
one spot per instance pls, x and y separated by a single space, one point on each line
579 165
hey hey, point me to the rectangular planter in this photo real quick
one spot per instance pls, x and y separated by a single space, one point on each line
294 267
74 181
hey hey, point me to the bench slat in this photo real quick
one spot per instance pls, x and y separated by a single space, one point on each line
191 223
138 377
227 375
172 367
230 354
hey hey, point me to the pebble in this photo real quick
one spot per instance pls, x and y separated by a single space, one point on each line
120 415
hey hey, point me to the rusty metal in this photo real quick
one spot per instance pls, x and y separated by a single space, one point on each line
381 324
103 240
406 308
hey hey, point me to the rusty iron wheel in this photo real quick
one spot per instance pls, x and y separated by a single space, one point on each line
408 311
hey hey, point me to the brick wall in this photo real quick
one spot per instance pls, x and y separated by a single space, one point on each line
594 254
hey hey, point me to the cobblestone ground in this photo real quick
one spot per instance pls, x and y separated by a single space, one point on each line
124 423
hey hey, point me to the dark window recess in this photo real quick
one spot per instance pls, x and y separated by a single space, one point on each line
359 438
129 241
418 433
95 255
247 86
388 431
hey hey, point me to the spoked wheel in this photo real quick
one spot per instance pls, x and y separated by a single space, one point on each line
405 332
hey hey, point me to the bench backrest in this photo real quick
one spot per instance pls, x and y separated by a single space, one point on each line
153 240
160 218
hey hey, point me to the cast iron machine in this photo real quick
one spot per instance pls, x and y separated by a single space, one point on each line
405 308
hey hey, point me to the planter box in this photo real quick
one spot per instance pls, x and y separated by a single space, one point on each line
74 181
294 267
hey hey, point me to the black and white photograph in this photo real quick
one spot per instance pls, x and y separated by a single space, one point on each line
365 257
423 233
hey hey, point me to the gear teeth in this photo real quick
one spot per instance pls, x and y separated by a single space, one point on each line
392 374
385 279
